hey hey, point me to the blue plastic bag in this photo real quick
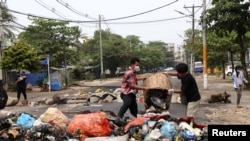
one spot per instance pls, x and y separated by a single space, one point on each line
26 120
168 130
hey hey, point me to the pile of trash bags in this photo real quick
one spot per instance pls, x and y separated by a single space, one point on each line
54 125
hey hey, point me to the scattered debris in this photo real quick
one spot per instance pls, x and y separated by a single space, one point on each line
96 125
221 97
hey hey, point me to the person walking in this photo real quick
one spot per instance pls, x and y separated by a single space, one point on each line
21 86
189 92
130 87
239 79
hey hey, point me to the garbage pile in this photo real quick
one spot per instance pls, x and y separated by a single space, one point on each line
155 124
53 125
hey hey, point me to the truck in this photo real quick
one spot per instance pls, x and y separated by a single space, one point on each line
198 67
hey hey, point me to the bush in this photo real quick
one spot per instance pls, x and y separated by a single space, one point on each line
89 76
12 87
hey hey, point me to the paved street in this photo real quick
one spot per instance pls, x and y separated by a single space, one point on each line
176 109
209 113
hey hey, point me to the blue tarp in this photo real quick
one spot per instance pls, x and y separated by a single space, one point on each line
32 78
44 62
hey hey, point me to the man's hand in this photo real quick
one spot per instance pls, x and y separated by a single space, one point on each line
170 91
146 88
166 73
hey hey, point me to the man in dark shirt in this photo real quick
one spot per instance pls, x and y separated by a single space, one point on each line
21 86
189 91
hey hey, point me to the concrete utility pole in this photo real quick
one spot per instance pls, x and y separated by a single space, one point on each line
204 44
193 36
65 63
1 38
101 59
48 67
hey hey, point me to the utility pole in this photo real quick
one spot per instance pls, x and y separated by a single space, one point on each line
1 38
204 45
65 63
101 59
193 36
48 59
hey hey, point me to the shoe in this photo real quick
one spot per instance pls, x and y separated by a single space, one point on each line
238 106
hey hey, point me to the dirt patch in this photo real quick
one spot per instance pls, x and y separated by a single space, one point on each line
220 112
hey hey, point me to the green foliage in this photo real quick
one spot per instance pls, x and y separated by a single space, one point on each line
230 16
89 76
12 87
21 56
152 57
54 38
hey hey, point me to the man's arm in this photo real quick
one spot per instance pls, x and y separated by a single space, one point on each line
140 87
141 78
170 73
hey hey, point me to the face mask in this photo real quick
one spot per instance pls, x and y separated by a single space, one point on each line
137 68
238 70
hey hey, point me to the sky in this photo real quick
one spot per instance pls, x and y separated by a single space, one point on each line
150 20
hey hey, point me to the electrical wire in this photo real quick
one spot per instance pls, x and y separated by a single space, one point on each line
94 21
153 21
24 27
142 12
56 12
74 10
74 21
50 8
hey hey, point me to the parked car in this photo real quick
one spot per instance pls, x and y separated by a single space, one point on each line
229 71
168 69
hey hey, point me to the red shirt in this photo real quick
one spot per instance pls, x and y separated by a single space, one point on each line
129 80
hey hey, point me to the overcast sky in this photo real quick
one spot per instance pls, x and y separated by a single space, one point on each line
133 15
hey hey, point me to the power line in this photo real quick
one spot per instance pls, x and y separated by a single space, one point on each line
153 21
94 21
107 24
142 12
74 10
49 8
74 21
55 11
19 24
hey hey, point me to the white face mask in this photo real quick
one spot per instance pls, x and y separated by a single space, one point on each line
137 68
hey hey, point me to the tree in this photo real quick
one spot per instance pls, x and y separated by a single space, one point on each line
115 50
227 16
21 56
54 38
218 47
134 42
194 45
154 55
